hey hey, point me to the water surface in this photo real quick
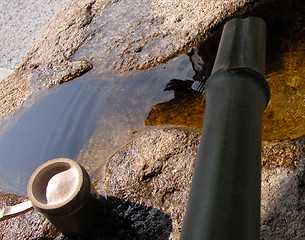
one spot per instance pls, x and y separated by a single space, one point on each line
88 119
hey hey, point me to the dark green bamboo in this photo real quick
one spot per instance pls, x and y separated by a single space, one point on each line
224 201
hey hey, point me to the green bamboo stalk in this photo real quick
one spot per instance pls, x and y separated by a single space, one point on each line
224 201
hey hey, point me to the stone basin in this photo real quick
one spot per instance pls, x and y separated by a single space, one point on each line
173 28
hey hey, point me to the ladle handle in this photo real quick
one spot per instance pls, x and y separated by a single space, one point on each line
16 210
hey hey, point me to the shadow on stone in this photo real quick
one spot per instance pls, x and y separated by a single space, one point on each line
286 200
126 220
42 238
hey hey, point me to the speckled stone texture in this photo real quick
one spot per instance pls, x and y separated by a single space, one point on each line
28 226
122 30
144 190
149 183
21 22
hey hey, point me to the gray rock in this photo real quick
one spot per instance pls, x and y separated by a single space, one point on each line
147 182
4 72
145 186
155 170
21 22
28 226
128 34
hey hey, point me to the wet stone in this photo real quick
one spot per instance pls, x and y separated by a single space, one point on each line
64 72
185 109
287 154
30 225
144 190
284 117
155 170
127 220
145 185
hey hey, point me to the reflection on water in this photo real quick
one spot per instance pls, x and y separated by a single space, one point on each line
57 126
134 98
88 119
185 109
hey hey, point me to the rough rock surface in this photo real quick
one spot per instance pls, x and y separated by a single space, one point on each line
28 226
282 214
283 192
21 23
155 170
151 29
157 32
145 189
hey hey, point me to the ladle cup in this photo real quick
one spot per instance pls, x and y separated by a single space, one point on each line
61 190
